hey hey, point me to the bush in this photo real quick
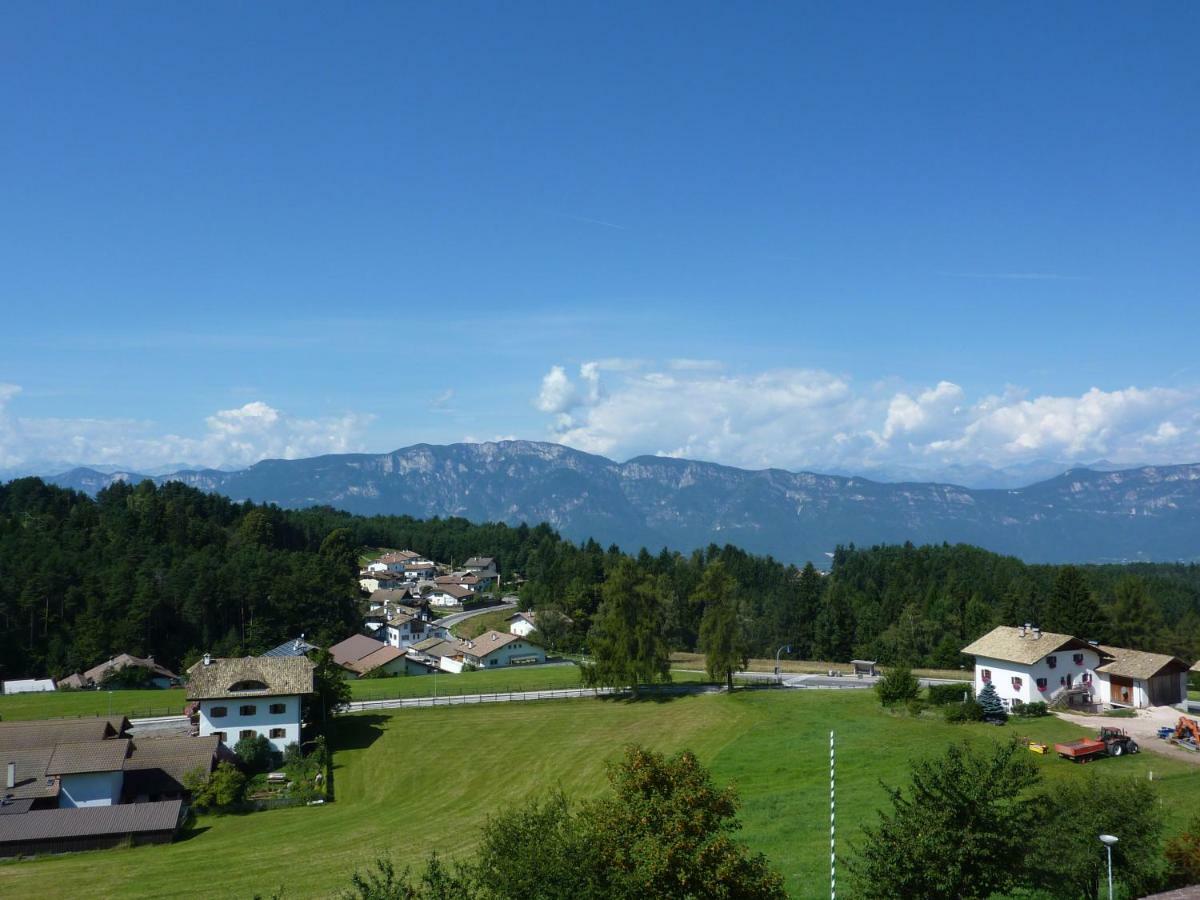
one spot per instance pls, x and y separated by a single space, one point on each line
945 694
897 686
1031 710
915 706
224 787
256 753
961 713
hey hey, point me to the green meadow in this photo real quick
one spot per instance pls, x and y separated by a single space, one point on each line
411 781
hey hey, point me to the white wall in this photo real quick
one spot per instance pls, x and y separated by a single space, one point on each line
1003 672
90 789
233 722
521 627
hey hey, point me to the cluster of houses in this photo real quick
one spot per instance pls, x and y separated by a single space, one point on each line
406 570
1025 664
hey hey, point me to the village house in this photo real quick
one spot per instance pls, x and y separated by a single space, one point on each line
375 580
1025 665
360 654
239 698
522 623
494 649
484 567
437 654
468 580
449 595
406 628
159 676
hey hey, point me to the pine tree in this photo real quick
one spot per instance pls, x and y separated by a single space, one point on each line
628 636
1136 622
993 708
1072 608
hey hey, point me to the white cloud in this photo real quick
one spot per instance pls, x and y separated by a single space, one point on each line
230 437
806 419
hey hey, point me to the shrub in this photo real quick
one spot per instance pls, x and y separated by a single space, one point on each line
915 706
945 694
1033 710
960 713
256 753
897 686
224 787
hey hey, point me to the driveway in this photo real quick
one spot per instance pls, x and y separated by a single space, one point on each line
1143 728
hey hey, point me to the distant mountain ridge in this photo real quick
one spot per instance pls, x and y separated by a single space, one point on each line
1083 515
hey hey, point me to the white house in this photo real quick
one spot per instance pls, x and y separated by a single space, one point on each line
483 566
449 595
405 629
240 698
89 773
494 649
522 623
1025 665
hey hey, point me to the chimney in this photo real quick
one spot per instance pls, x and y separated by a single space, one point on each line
10 780
207 659
495 636
1037 632
1020 631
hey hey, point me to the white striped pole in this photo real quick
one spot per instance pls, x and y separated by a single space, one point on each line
832 823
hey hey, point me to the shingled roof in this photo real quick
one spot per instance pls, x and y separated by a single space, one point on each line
157 765
231 678
85 821
487 643
380 657
47 733
1009 644
1138 663
354 648
88 756
123 660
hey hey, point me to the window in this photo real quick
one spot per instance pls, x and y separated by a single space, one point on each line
248 710
220 736
248 686
1086 678
1017 682
1052 662
1041 684
247 733
986 676
278 709
278 732
217 712
1078 657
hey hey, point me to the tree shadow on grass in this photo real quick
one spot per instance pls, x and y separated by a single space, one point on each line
356 732
654 694
189 832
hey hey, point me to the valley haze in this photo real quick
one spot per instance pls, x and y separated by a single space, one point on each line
1082 515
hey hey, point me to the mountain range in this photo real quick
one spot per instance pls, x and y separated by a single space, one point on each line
1082 515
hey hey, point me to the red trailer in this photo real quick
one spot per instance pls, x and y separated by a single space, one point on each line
1082 750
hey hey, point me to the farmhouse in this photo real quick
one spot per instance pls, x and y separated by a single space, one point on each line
85 784
239 698
449 595
483 566
159 676
1025 665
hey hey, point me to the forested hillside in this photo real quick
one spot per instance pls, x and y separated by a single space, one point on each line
172 571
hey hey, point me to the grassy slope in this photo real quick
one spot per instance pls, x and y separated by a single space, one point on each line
477 625
774 746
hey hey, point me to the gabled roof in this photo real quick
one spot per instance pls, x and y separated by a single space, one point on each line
48 732
88 756
530 617
85 821
280 676
481 562
1138 663
354 648
31 781
380 657
166 760
121 661
454 590
436 646
1007 643
487 643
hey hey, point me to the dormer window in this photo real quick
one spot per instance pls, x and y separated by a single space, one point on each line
249 685
1052 662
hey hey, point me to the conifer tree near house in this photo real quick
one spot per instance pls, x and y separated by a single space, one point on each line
993 708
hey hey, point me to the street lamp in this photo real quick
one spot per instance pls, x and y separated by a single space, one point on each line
787 648
1108 840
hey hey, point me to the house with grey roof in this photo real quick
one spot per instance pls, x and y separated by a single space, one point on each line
1026 664
255 695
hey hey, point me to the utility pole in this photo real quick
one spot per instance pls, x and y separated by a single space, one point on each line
832 825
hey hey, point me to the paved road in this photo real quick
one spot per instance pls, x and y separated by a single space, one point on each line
453 619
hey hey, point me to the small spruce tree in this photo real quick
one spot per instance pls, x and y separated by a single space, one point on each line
993 709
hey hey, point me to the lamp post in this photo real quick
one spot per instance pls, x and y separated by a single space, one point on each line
1108 840
788 649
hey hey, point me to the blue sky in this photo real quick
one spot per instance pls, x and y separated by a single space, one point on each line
880 238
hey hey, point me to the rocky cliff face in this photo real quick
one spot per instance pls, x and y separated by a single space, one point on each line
1150 513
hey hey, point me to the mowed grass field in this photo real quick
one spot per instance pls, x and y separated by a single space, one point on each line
410 781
